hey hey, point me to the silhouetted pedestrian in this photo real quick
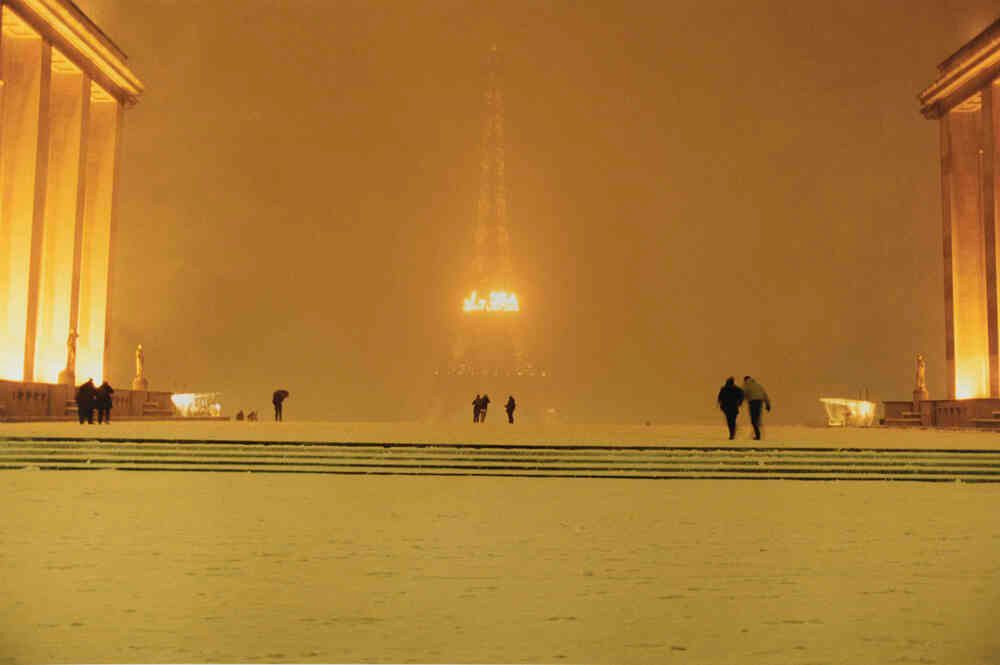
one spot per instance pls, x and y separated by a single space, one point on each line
477 408
484 404
104 403
756 396
277 399
730 398
510 406
86 395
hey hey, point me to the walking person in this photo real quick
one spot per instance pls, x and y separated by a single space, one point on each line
484 404
85 396
277 399
756 396
730 398
510 406
104 403
477 408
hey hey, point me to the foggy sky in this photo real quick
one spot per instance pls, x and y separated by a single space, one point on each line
697 190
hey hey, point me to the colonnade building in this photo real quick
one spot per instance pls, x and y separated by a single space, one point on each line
965 102
63 88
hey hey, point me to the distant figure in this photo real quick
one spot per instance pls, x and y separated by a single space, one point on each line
477 408
252 416
730 398
277 399
104 403
484 404
510 406
86 395
921 378
71 350
755 395
239 415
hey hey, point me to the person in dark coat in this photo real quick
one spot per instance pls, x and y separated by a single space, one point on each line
510 406
104 403
484 403
730 398
277 399
86 395
756 397
477 407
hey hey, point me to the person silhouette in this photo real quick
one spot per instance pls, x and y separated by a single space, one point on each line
730 398
477 407
510 406
756 396
277 399
104 403
484 404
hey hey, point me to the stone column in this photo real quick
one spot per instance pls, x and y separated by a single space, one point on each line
949 280
70 91
22 56
968 260
113 230
993 185
38 212
81 199
987 198
102 139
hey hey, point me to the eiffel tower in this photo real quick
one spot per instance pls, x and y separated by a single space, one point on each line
489 344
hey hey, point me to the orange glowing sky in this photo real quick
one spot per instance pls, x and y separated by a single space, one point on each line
697 190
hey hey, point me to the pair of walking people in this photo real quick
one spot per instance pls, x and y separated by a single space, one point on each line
732 396
479 406
89 397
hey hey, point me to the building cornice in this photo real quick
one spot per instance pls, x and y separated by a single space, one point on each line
79 39
964 73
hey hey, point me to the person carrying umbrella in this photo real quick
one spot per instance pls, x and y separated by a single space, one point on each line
278 397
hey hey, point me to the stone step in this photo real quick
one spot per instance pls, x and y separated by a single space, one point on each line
902 422
164 413
987 422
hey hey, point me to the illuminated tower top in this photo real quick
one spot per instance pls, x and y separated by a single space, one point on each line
491 264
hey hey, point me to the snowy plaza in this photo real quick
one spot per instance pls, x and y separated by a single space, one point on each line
384 213
112 566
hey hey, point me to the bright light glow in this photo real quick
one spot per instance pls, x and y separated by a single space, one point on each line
94 254
197 404
842 412
21 66
499 301
66 102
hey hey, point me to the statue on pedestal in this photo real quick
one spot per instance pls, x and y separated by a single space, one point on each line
67 377
920 384
140 382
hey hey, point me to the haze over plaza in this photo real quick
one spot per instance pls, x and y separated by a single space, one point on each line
695 191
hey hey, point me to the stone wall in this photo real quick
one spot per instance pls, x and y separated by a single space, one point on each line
21 401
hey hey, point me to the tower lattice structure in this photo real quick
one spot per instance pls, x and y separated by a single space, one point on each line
492 262
490 338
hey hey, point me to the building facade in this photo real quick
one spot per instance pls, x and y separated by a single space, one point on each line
63 88
965 101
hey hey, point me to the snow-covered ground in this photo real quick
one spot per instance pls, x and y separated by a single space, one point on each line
500 432
111 566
